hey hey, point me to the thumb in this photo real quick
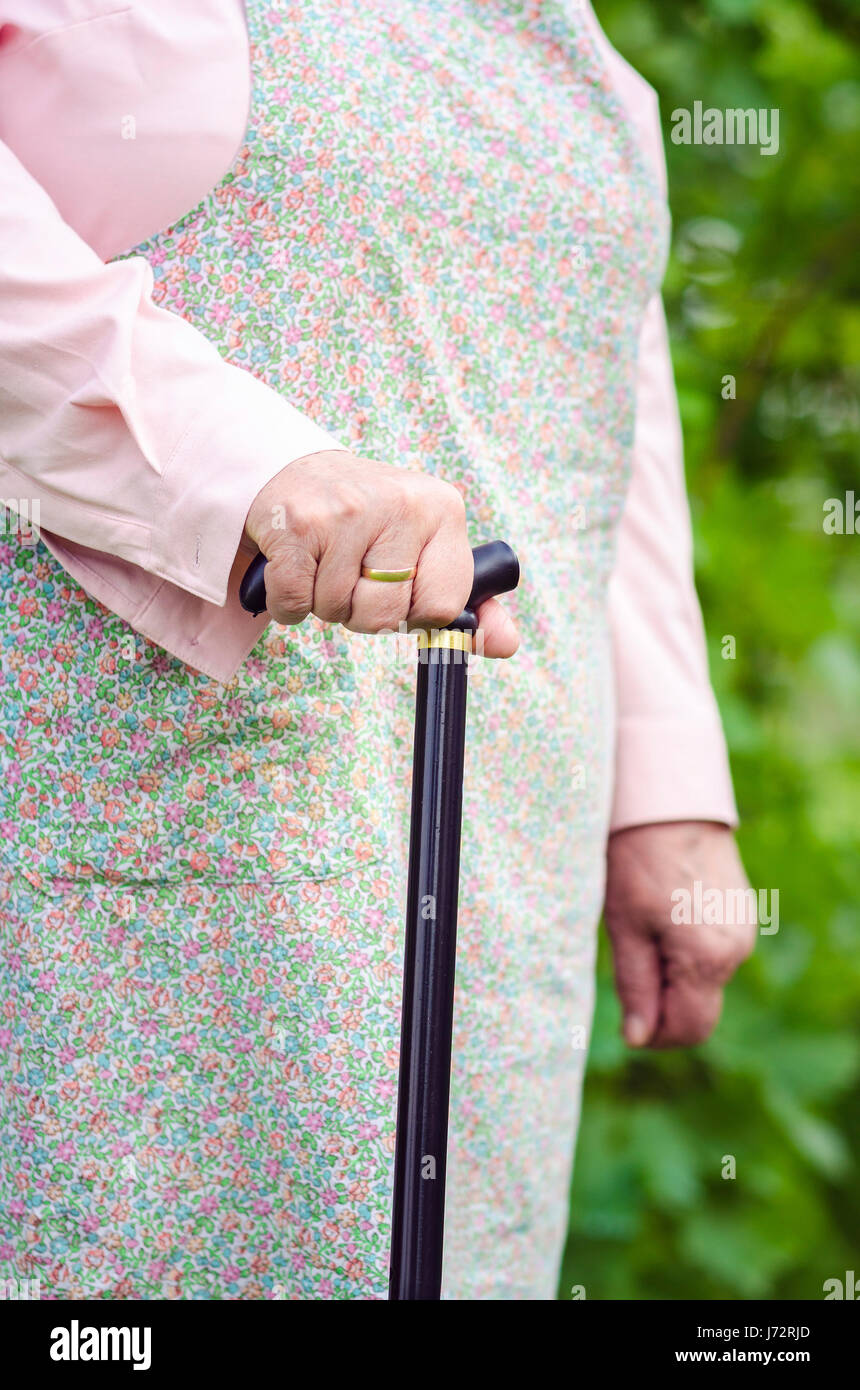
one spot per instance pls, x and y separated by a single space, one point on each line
500 634
636 961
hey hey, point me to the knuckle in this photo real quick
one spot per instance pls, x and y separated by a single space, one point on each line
408 485
309 521
727 956
453 503
741 952
348 501
400 508
714 969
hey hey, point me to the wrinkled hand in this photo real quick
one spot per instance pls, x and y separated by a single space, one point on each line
327 514
670 976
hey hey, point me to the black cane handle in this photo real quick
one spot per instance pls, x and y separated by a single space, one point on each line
497 571
252 590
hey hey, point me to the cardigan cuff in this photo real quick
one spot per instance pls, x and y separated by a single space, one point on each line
671 769
244 434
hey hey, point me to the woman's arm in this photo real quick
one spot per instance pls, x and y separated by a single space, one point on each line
671 761
673 795
120 419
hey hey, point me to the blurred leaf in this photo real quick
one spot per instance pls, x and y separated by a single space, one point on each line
666 1156
819 1142
730 1247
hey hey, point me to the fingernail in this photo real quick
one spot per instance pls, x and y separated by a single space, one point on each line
635 1031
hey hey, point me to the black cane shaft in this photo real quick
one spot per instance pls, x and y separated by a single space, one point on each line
428 981
421 1145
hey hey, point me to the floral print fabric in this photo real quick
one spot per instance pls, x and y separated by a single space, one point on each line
438 239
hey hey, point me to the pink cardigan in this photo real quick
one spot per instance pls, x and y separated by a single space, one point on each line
145 448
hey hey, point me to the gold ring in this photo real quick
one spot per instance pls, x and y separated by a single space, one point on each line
388 576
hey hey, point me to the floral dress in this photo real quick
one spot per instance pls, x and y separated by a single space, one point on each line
438 239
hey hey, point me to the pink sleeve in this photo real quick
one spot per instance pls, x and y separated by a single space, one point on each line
124 423
671 760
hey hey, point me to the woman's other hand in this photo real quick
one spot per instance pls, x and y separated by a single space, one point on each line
670 972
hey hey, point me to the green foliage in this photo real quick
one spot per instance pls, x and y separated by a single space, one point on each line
761 286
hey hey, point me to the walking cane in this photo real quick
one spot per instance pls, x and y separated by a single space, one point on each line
421 1145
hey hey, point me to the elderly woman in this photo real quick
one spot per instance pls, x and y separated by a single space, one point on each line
357 285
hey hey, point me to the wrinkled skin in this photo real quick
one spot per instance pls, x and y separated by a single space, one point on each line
670 976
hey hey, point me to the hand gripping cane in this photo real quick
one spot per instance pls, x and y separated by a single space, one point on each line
421 1145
